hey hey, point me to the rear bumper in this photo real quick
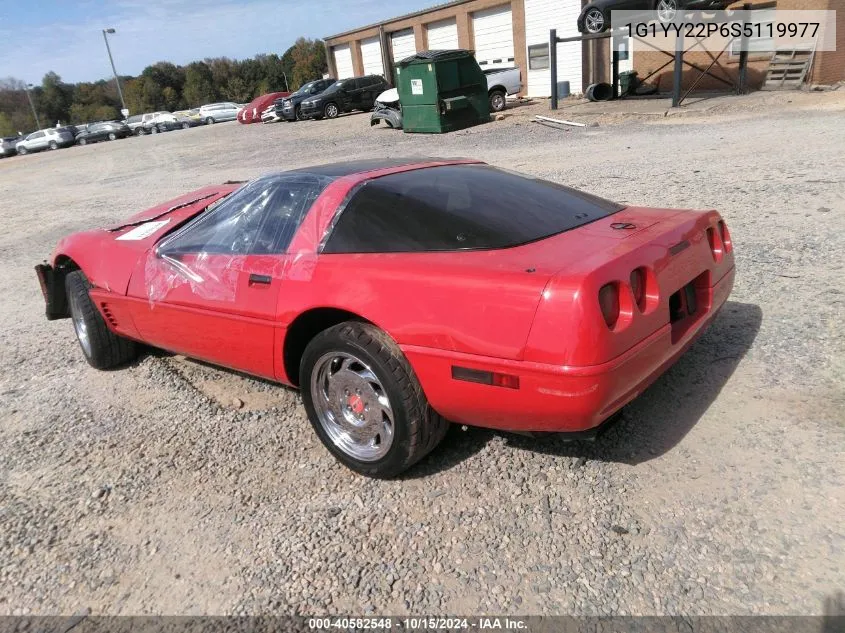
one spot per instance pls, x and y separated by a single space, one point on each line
553 398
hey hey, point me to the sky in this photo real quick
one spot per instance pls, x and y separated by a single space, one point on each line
65 36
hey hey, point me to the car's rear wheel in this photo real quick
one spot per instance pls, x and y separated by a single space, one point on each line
594 21
102 347
209 121
54 145
331 111
364 401
497 101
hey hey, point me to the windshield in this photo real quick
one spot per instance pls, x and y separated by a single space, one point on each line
304 90
335 87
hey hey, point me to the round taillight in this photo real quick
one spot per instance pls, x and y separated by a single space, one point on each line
725 235
638 287
609 303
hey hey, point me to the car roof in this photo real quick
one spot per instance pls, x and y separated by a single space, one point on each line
347 168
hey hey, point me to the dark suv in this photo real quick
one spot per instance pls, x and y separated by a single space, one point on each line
357 93
288 107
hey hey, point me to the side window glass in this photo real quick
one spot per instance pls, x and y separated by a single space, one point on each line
229 228
261 217
291 202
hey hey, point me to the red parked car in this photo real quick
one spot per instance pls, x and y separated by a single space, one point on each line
251 112
400 294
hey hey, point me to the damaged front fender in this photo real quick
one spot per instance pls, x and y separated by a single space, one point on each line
392 117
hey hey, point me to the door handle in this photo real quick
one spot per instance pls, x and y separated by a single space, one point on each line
259 279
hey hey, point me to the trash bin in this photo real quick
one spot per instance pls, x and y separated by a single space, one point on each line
441 91
628 82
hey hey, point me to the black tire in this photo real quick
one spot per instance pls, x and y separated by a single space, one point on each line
417 428
154 129
209 121
112 136
186 125
331 111
595 21
297 112
104 348
54 145
82 141
23 151
497 101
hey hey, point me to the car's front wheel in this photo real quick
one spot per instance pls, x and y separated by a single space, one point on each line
298 114
54 145
82 141
364 401
209 121
594 21
112 136
331 111
102 348
23 151
185 125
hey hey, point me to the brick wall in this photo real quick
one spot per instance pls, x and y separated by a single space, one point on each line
828 67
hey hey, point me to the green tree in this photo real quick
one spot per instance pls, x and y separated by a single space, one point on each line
199 85
54 99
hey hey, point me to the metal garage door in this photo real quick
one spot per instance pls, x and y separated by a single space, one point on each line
371 56
443 35
540 16
403 44
493 30
343 61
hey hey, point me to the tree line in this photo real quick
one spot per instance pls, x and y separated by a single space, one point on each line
161 86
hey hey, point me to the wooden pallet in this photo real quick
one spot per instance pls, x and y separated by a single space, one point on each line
788 68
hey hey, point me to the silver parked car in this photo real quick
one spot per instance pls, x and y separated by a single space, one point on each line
51 138
217 112
7 145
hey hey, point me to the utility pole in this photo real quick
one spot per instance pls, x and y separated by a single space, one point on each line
107 32
32 105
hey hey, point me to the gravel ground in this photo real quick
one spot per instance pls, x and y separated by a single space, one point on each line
152 490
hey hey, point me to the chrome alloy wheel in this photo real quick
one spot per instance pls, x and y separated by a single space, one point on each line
666 10
595 21
352 406
82 332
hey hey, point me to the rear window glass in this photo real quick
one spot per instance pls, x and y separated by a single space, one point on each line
456 207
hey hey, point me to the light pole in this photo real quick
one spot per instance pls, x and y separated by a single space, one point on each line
111 59
32 105
285 75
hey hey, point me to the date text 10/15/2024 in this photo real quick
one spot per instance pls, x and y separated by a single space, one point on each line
417 623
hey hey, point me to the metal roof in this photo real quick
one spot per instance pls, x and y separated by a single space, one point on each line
436 7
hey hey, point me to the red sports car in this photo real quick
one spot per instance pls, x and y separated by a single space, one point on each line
251 112
398 295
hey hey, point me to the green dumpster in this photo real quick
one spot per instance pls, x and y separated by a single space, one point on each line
441 91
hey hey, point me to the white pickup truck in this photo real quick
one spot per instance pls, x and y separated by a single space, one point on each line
500 83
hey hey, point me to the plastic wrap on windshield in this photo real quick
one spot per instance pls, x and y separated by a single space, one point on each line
249 232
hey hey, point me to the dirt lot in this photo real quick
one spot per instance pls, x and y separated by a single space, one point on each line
145 490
